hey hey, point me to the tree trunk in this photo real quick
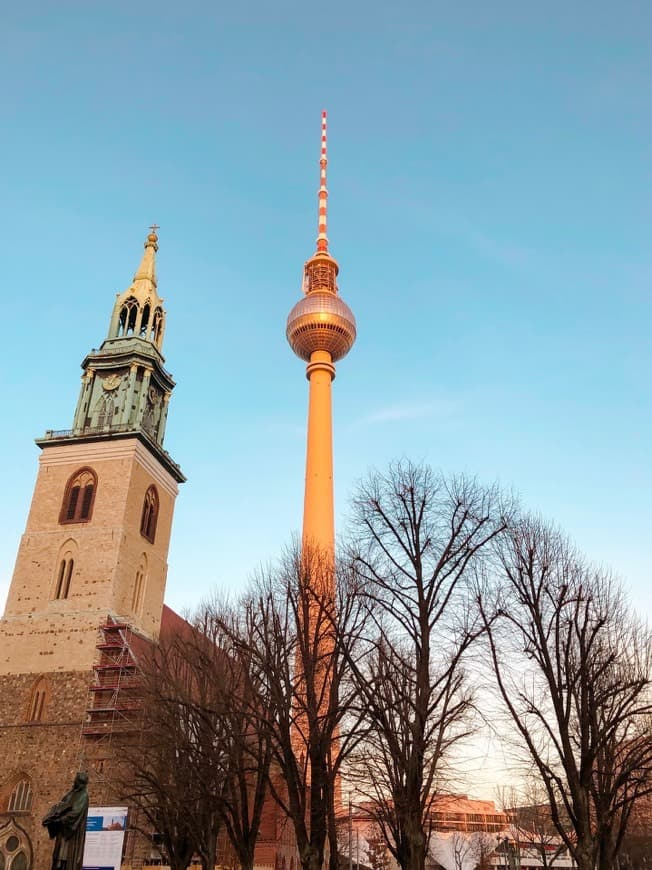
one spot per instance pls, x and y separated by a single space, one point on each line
209 853
333 856
584 857
416 845
245 851
311 859
181 860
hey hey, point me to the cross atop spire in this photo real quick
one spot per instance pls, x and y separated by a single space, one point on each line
322 238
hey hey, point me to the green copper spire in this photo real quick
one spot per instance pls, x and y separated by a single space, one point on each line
125 388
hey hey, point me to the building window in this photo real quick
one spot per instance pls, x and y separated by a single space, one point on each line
157 326
128 316
144 321
137 601
20 800
150 515
78 500
105 411
37 702
64 576
139 585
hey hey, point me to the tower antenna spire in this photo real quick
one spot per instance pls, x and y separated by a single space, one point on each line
322 238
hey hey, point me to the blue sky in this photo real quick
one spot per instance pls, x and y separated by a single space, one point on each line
490 206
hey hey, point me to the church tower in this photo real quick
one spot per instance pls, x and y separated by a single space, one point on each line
98 530
94 551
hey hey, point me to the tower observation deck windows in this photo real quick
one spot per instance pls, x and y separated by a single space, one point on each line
79 496
149 516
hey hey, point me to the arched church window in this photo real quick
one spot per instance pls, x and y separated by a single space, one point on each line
64 575
128 317
20 799
150 515
157 325
15 846
105 410
139 586
79 496
144 321
37 701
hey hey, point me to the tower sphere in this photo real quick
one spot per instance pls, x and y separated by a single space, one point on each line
321 321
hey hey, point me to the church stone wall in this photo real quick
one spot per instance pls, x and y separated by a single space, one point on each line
50 752
48 643
41 633
45 752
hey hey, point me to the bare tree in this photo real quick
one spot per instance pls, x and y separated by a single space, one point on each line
637 844
203 762
532 826
486 845
174 773
243 702
377 851
418 539
460 850
572 666
295 636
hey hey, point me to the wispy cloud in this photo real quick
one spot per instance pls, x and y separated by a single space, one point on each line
501 251
499 248
401 412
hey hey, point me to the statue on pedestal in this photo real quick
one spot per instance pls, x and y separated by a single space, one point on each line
66 824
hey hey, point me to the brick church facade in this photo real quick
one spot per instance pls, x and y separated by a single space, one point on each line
89 577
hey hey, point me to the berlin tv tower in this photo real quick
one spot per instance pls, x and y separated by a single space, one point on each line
321 330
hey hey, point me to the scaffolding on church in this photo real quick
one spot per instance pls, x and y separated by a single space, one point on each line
115 705
115 694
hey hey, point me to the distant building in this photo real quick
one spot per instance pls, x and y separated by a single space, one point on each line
466 834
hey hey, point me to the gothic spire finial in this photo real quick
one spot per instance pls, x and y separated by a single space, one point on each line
147 269
139 310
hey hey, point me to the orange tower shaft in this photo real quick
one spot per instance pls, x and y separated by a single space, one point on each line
318 507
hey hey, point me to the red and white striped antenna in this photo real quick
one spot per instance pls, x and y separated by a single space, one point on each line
322 238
